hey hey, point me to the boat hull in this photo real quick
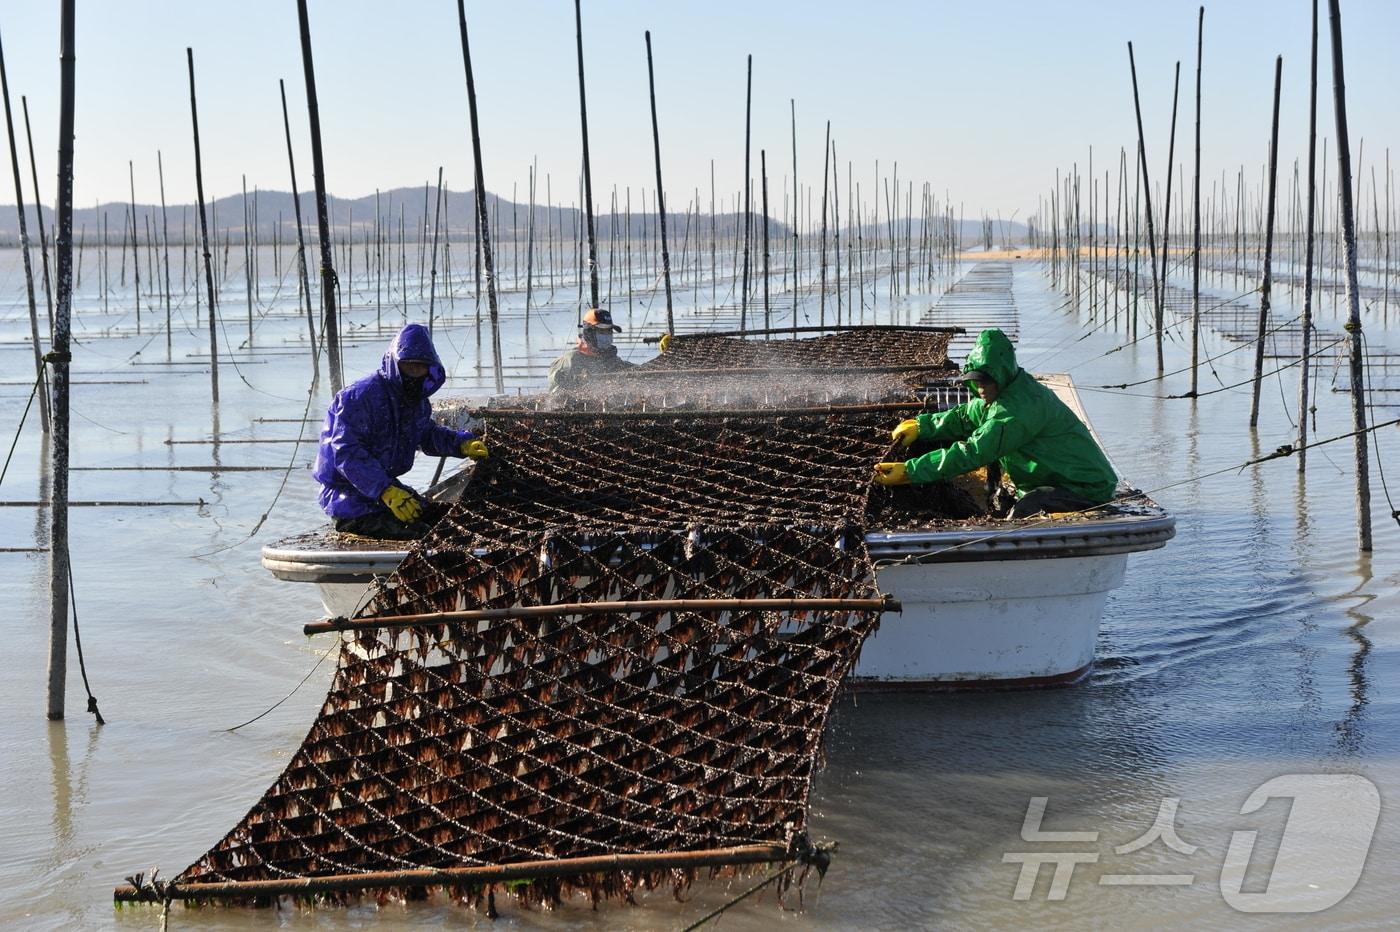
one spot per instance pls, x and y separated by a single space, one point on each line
982 607
989 624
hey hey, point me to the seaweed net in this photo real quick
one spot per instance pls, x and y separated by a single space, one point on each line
565 735
584 659
911 347
701 373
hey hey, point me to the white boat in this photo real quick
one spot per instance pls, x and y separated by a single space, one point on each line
988 603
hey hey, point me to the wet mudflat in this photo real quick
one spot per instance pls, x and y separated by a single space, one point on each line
1257 644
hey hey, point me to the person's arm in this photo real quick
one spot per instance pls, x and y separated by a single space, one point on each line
561 374
957 423
441 440
999 434
350 453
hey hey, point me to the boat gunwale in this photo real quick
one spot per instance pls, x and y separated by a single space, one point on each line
1092 537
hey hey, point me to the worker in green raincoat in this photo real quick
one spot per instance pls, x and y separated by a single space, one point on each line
1045 449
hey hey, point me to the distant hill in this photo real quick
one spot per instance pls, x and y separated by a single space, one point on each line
400 206
406 207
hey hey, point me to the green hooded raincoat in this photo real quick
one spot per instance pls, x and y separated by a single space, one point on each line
1037 439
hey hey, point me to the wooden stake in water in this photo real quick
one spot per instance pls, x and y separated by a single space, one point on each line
661 196
1147 197
826 166
39 213
763 182
748 204
165 241
432 284
836 228
1196 216
36 343
135 252
587 169
530 249
58 520
204 236
247 262
329 326
1353 298
1167 204
1265 288
792 105
1306 321
301 241
484 228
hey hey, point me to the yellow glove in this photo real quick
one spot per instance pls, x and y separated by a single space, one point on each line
906 433
475 449
403 503
665 343
891 474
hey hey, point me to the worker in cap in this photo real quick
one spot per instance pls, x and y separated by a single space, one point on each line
1042 446
372 432
593 354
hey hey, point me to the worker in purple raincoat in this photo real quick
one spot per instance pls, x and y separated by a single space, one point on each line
373 430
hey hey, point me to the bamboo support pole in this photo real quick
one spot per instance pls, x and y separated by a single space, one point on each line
39 213
763 182
459 876
483 219
1266 286
792 105
247 262
530 250
826 166
748 200
660 195
819 329
432 262
836 226
204 232
587 168
301 240
668 372
1196 217
1167 202
135 251
601 608
59 582
330 330
378 260
912 404
36 342
1353 298
1147 197
165 244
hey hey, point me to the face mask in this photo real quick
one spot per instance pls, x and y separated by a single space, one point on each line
603 339
413 388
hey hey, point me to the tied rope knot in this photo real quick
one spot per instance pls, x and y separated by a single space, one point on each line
802 851
1352 326
54 356
152 887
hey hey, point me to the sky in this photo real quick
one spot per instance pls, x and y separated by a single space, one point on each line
982 100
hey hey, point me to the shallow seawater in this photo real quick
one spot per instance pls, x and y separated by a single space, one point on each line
1257 644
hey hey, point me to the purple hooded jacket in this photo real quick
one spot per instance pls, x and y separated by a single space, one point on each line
373 430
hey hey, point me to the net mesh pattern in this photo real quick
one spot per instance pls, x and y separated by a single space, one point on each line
565 736
700 372
456 743
856 348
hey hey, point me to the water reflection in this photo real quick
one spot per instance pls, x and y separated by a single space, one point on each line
61 774
1350 731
